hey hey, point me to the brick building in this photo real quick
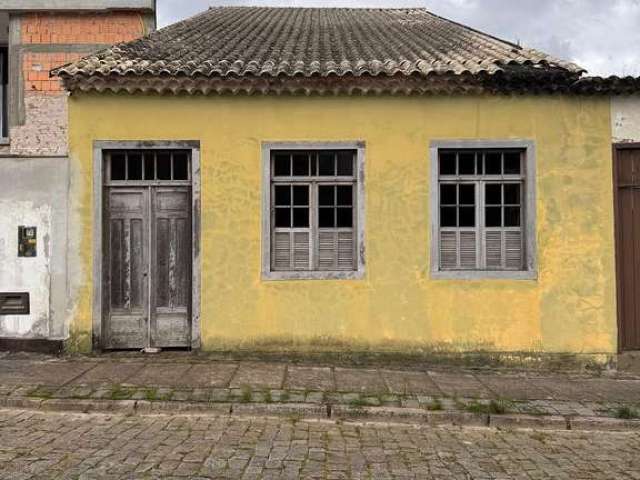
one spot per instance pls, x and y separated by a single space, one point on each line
35 37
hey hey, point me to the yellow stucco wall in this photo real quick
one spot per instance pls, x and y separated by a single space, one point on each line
570 308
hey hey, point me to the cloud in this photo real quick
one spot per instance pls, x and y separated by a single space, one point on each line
601 35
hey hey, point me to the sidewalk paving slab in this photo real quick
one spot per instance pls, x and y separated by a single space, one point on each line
309 378
259 375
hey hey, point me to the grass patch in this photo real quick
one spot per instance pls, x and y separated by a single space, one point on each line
266 395
284 397
494 407
358 403
434 405
119 393
626 413
246 395
151 394
39 392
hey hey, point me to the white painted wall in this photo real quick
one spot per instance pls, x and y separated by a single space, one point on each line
625 118
31 275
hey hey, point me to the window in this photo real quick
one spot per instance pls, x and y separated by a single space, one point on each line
147 166
313 215
4 80
482 209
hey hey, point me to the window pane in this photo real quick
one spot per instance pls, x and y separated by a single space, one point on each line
164 166
493 216
447 163
512 216
448 217
314 164
345 164
283 217
493 194
301 195
326 195
345 195
301 165
118 166
467 217
282 165
448 194
512 194
283 195
300 217
345 217
467 194
467 163
327 164
180 166
135 166
149 166
493 164
325 218
479 159
512 163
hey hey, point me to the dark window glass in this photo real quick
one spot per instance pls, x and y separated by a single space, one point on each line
493 164
345 195
283 217
448 217
493 216
326 195
512 163
467 194
282 165
467 217
301 165
314 164
345 164
180 166
325 218
512 216
480 170
493 194
283 195
345 217
301 195
149 166
163 164
327 164
118 166
300 217
134 162
512 194
448 195
467 163
447 163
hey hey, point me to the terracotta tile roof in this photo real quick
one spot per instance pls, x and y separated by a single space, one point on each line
311 42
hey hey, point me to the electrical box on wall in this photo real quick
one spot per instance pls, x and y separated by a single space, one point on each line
27 241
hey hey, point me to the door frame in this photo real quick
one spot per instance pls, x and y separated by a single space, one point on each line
99 146
617 147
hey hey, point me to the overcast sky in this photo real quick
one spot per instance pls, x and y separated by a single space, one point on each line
602 36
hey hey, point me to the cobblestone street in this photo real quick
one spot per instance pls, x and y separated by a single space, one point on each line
63 445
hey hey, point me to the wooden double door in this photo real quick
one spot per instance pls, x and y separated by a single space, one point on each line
147 262
627 193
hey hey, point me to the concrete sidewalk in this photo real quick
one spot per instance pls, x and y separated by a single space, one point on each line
170 382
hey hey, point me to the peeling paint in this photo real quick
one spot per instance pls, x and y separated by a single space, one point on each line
570 308
625 118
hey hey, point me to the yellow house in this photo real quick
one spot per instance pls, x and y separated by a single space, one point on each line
339 179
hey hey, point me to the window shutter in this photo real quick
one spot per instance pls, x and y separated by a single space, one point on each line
335 250
493 249
513 249
468 249
448 250
282 251
345 251
301 254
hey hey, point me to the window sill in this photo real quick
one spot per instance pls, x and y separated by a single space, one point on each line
281 276
4 141
486 275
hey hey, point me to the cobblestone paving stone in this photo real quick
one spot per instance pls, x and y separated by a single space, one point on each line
40 445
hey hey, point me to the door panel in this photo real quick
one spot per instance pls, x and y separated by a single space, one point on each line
171 268
627 173
127 233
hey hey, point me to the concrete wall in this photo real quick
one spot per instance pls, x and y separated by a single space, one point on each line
625 118
570 307
33 192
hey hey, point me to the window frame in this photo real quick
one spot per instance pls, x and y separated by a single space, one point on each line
528 206
4 94
359 212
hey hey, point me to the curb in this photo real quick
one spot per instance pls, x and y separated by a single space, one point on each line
327 412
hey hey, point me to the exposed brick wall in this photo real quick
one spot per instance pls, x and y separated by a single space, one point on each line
45 104
81 28
45 129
